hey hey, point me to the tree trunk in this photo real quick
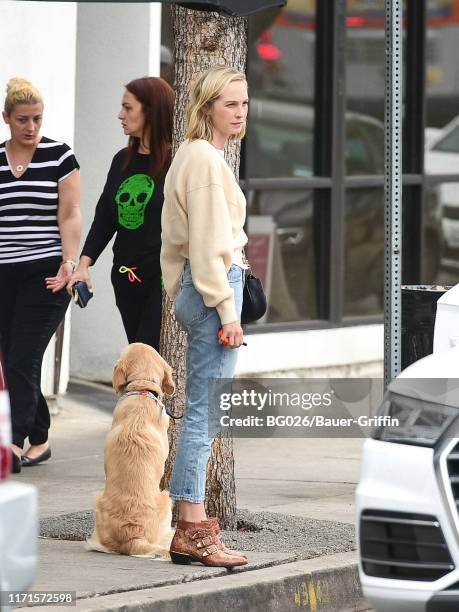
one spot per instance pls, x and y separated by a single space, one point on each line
202 40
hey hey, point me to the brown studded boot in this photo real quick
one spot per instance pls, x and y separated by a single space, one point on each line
198 542
220 544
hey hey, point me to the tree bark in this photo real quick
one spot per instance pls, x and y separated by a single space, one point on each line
202 41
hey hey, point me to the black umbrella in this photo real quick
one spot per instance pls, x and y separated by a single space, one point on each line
232 8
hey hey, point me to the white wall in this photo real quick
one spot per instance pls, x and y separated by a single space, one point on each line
116 43
317 349
38 42
155 39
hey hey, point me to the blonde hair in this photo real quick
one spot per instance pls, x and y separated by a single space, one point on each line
205 90
20 91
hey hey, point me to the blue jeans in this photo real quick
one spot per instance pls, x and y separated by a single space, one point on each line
206 359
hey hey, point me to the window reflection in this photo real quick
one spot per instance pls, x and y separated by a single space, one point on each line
442 85
281 77
441 233
279 144
281 58
280 141
364 155
432 253
365 57
442 142
281 251
364 145
364 252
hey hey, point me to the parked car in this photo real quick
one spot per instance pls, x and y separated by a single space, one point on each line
18 513
408 494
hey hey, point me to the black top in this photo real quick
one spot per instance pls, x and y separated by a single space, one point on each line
28 205
130 205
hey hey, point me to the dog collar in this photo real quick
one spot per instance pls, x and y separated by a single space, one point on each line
147 392
152 395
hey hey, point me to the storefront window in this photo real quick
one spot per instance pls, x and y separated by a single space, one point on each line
442 46
364 252
364 145
364 156
306 239
442 138
281 251
365 72
280 70
431 270
279 144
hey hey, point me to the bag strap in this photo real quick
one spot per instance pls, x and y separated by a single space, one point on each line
248 270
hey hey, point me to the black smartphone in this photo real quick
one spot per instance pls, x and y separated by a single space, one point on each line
81 294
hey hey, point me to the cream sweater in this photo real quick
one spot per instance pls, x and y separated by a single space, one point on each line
202 220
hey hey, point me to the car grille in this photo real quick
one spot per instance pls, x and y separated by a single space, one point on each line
403 546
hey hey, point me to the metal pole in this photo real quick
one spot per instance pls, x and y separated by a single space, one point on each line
393 191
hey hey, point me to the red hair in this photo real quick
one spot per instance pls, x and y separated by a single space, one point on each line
157 100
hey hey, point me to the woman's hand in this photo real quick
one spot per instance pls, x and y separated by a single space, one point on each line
81 274
58 282
232 335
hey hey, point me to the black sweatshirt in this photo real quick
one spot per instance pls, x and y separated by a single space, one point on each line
130 205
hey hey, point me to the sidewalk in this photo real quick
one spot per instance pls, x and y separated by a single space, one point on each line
313 479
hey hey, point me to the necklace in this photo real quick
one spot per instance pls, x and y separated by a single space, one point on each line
19 168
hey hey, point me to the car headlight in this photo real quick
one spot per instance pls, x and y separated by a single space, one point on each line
411 420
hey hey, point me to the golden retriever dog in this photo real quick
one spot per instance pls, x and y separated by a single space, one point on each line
132 515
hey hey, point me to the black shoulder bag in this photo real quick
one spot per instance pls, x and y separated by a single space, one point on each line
254 299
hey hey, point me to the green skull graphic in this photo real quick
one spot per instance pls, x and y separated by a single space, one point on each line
132 198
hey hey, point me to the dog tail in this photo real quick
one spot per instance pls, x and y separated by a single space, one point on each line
93 544
140 547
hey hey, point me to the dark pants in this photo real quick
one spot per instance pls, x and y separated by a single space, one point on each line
140 304
29 315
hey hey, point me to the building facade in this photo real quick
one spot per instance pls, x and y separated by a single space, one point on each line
312 163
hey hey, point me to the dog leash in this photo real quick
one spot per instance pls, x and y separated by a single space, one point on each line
152 395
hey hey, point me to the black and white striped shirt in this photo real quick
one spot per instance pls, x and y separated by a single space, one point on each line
28 205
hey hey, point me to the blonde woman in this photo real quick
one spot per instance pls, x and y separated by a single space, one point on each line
40 227
203 271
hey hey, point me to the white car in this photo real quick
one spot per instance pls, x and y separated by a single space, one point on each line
18 515
408 494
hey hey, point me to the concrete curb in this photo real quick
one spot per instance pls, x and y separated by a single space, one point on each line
326 584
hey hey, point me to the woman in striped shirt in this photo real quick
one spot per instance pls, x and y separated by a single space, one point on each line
40 228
